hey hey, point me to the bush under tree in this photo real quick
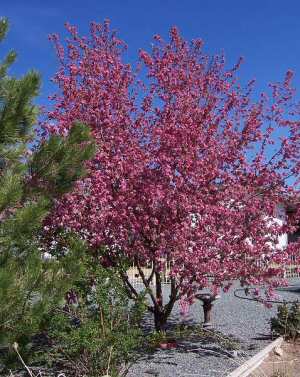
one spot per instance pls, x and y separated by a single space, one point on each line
96 332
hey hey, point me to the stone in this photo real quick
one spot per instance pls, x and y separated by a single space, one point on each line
278 351
152 372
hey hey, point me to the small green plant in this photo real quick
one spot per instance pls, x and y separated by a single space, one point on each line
184 330
287 321
96 333
156 338
180 331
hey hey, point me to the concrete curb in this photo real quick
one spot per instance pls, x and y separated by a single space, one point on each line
250 365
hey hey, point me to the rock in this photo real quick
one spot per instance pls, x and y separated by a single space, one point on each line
278 351
234 354
152 371
167 345
207 326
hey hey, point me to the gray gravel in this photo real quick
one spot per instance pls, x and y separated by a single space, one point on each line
247 321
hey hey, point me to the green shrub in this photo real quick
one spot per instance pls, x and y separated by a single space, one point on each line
96 333
287 321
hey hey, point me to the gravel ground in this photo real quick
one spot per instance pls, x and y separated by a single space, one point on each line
246 321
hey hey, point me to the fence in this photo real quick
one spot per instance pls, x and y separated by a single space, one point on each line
135 278
291 271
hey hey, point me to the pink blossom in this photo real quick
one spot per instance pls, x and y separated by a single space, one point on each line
185 170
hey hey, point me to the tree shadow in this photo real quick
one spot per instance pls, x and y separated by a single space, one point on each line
261 336
204 344
295 288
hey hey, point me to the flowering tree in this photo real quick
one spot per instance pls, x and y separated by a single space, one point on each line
189 168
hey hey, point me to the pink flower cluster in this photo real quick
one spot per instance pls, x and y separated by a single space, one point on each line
189 168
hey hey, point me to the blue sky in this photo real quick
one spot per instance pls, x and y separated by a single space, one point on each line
266 33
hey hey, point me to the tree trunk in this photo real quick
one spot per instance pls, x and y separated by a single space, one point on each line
160 320
159 310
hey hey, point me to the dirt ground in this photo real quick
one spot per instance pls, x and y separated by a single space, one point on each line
287 365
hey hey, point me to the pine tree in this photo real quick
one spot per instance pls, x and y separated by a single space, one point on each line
29 183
